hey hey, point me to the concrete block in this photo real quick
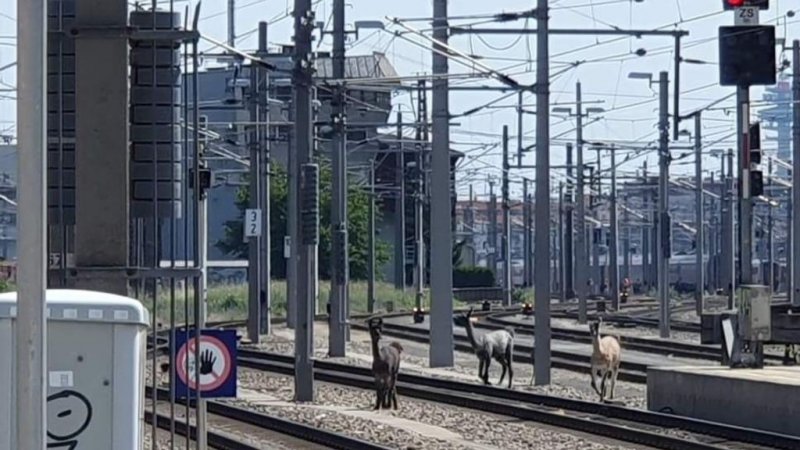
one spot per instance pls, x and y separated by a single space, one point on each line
145 152
147 190
159 21
54 160
66 82
60 64
60 44
65 177
164 77
55 214
161 57
756 398
67 121
159 114
146 95
53 196
67 102
65 135
147 171
60 7
155 133
60 24
143 210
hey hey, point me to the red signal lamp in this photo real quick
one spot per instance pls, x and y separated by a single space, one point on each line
527 309
733 4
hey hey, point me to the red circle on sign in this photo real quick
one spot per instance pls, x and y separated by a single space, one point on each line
222 350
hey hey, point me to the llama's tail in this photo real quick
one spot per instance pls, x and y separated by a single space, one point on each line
511 331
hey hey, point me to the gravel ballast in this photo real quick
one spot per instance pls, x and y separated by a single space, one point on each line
348 410
565 383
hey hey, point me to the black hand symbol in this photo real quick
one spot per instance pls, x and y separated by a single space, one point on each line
207 360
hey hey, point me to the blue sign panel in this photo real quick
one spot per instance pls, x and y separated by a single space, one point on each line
216 364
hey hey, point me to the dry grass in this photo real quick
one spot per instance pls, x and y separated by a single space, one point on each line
229 301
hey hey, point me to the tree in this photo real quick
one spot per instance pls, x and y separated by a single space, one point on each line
358 226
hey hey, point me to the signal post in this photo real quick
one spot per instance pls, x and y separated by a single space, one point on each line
747 58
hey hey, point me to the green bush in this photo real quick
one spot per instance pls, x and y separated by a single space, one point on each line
468 277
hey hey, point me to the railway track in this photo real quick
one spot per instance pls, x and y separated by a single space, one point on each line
646 345
215 440
616 422
634 320
637 426
255 421
661 347
258 421
629 371
307 433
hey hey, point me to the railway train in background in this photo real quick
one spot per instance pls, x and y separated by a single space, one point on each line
682 273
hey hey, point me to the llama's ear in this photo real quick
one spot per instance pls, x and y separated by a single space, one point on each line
469 313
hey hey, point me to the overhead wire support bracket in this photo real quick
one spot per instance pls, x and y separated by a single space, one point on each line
675 34
132 33
510 17
450 51
243 55
571 31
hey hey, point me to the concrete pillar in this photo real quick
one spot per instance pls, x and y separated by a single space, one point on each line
101 160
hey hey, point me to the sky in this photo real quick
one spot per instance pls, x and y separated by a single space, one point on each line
601 64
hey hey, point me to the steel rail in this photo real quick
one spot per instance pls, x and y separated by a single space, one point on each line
215 440
616 422
647 345
640 344
629 371
305 432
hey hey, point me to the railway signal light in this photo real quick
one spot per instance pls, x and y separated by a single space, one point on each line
755 143
729 5
527 309
419 315
747 55
756 183
756 176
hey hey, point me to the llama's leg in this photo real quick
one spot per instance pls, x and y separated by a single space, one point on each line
510 361
614 381
510 372
378 397
486 372
593 374
606 375
387 393
481 365
393 390
502 374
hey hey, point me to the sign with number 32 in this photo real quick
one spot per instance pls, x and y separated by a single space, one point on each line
252 223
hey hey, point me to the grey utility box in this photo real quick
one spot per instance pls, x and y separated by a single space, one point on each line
755 312
96 350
